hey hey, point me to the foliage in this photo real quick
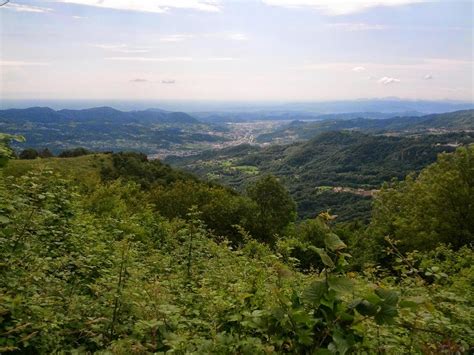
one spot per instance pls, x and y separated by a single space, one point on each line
276 208
109 267
221 209
352 164
300 246
437 303
435 207
101 278
451 121
5 150
28 153
45 153
76 152
83 171
137 167
107 129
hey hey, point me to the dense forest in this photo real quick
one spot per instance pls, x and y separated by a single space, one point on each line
115 253
337 170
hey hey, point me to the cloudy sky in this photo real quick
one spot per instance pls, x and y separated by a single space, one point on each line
236 49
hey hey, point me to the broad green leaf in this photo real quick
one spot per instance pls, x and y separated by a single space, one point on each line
386 314
340 342
333 242
340 284
305 336
390 297
346 317
366 308
323 352
315 292
328 300
324 256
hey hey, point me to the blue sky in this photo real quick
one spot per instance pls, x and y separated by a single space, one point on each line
245 50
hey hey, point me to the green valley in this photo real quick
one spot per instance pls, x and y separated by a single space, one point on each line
341 161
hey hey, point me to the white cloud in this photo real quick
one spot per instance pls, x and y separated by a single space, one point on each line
109 46
340 7
358 69
428 77
183 37
386 80
19 63
151 59
27 8
153 6
325 66
169 59
122 48
354 27
422 65
79 17
168 82
176 38
131 51
238 37
222 59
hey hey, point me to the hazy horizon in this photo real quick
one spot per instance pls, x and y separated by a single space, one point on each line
387 105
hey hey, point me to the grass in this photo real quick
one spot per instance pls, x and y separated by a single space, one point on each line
85 169
247 169
226 164
323 188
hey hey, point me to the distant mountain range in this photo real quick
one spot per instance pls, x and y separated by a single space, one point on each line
347 109
104 114
105 129
301 130
382 105
218 110
235 117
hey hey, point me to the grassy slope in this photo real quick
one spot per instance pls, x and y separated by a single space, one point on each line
84 169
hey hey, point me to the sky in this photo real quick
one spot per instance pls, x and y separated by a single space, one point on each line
236 50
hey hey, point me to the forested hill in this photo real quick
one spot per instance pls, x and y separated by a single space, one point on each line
97 114
301 130
334 170
107 129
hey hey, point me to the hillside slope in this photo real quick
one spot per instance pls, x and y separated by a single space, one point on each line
83 170
102 114
301 130
334 170
105 129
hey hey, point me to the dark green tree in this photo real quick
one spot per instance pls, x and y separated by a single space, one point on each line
276 208
28 153
45 153
435 207
6 152
76 152
220 209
